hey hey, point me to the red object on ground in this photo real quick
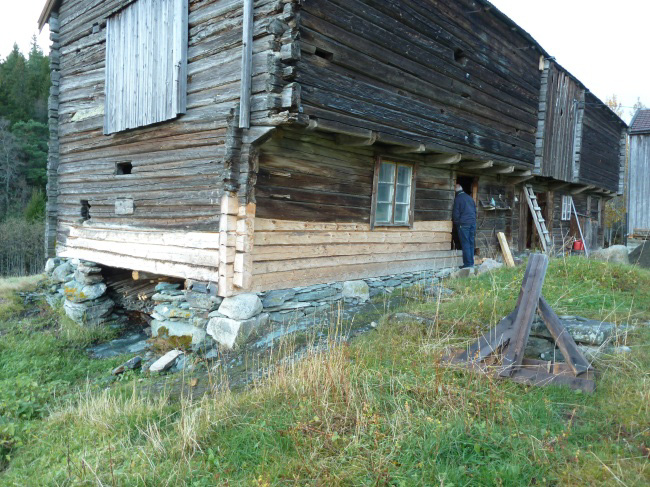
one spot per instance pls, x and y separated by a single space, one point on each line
578 245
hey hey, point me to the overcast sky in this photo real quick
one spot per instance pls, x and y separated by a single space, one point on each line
601 42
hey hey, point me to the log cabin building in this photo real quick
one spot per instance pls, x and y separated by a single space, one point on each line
270 144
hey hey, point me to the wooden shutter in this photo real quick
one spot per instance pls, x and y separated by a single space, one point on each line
146 64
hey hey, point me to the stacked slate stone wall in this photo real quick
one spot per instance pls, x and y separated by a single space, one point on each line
79 287
195 318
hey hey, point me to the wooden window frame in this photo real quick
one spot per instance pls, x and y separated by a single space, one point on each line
568 211
375 186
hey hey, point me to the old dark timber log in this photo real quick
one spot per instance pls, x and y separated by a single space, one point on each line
399 67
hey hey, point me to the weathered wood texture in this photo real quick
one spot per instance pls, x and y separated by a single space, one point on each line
601 141
178 167
446 73
560 123
180 253
51 208
639 183
300 253
146 64
308 176
503 218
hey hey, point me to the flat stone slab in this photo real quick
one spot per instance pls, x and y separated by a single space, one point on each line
132 343
166 361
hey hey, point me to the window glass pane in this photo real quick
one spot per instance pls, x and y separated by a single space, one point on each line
404 174
385 193
403 194
401 213
383 213
387 172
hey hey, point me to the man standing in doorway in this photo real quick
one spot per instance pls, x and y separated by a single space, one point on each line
464 217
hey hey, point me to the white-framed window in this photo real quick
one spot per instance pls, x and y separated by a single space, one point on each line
394 192
146 64
567 203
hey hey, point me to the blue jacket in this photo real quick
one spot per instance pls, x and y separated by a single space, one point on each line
464 209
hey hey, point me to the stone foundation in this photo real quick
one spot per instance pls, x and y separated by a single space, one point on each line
195 318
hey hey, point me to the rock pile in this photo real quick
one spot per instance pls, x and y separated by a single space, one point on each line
182 315
78 286
592 337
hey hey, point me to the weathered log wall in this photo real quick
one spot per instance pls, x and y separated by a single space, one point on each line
441 72
313 216
177 170
307 176
600 163
503 218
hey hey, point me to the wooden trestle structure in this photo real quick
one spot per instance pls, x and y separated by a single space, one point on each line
500 352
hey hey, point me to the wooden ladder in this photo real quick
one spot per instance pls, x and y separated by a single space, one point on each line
538 218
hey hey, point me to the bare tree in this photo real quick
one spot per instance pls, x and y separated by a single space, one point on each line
10 164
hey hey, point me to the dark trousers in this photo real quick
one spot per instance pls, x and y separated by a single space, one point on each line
466 234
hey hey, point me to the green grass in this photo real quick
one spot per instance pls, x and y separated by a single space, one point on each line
379 411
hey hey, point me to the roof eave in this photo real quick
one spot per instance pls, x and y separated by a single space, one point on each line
50 6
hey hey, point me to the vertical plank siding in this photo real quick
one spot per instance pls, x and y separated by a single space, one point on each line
639 184
146 64
562 100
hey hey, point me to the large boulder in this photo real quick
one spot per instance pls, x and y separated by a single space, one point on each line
356 290
78 292
616 253
241 307
62 272
193 335
89 312
51 264
228 332
488 265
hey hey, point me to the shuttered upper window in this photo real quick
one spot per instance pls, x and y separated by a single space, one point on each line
146 64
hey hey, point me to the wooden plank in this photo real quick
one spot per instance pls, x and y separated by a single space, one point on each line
246 65
306 277
505 249
531 290
564 341
492 341
268 225
289 252
316 238
538 377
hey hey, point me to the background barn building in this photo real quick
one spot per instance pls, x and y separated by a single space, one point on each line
638 223
279 144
